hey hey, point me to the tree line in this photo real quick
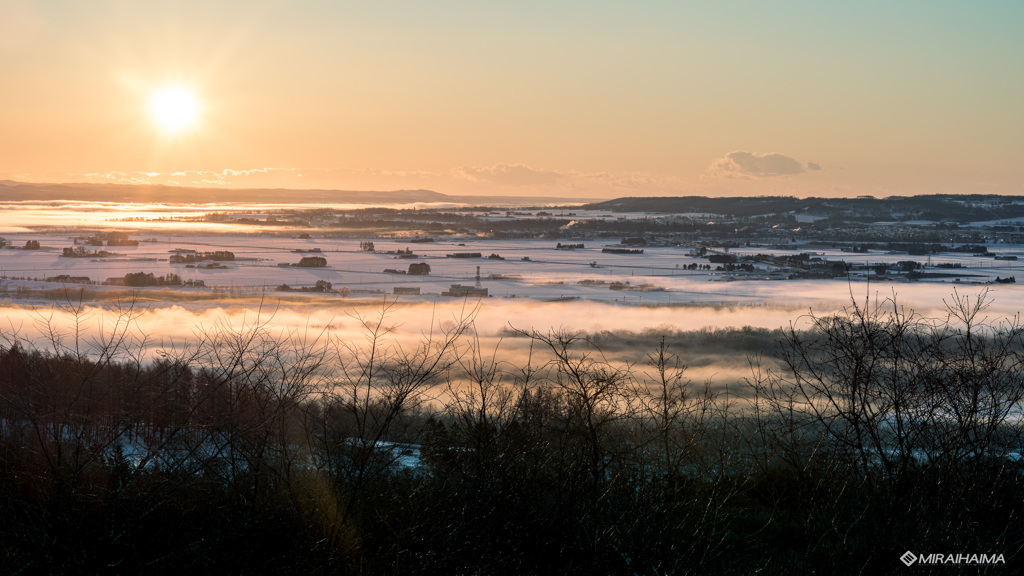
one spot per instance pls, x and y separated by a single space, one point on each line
871 432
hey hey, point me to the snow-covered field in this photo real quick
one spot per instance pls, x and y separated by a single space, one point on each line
532 286
531 269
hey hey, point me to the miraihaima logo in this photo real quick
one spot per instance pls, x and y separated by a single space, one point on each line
909 558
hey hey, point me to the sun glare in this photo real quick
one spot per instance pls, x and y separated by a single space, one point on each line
174 108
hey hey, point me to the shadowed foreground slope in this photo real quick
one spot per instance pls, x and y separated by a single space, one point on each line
874 433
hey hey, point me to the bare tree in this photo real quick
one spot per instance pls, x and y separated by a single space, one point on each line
374 386
904 411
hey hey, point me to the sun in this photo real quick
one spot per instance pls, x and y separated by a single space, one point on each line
174 108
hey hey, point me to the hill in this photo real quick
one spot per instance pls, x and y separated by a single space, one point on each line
937 207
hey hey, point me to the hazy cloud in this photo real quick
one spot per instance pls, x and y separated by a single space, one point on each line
751 165
523 179
230 172
181 178
340 178
507 179
509 174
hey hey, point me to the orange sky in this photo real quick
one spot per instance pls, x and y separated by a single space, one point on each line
587 99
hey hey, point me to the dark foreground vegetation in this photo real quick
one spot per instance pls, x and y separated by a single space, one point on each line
873 433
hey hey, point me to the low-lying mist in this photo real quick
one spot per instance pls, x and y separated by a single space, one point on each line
717 343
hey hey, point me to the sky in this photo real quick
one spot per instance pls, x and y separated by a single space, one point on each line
557 98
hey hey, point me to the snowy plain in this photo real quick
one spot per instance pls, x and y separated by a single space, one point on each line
531 284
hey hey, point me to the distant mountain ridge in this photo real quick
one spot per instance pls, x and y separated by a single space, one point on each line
20 191
935 207
12 191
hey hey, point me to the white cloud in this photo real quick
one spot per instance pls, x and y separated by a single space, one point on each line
751 165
